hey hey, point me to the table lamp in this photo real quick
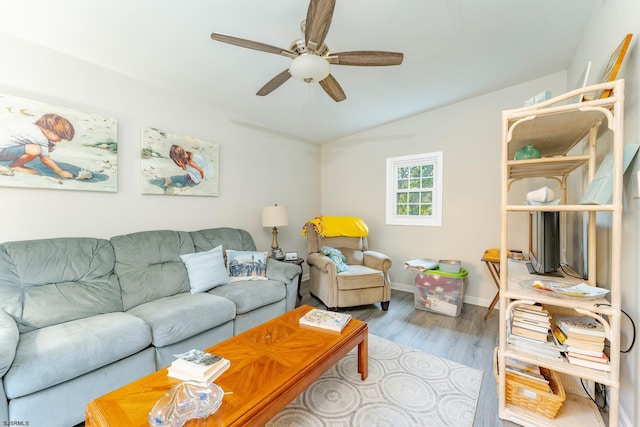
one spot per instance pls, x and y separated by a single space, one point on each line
275 216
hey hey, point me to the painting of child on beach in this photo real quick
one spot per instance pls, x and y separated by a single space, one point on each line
47 146
178 165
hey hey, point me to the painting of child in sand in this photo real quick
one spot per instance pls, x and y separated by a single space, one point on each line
178 165
46 146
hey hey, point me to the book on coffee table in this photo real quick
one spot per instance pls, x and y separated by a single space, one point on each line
325 320
198 365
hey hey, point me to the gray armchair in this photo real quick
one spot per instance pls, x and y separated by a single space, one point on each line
365 282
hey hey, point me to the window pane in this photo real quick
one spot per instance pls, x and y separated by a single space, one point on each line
403 184
402 210
427 183
414 210
426 210
402 198
414 197
415 172
403 173
427 170
414 183
426 197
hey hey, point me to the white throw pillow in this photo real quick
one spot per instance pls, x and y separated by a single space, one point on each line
206 269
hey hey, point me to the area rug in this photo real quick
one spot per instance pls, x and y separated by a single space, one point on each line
405 387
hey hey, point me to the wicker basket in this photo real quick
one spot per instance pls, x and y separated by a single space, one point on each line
527 394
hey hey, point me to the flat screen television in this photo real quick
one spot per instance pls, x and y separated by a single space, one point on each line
544 242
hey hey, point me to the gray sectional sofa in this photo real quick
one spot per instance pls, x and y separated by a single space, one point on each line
82 316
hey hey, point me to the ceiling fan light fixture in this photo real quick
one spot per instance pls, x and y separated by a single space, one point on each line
309 68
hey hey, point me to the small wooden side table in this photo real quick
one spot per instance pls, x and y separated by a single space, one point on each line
298 262
494 270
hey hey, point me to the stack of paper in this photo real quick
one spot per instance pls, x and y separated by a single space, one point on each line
197 365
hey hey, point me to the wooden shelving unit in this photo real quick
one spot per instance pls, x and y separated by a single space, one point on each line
556 127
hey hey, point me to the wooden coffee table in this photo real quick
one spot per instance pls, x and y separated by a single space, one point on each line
271 365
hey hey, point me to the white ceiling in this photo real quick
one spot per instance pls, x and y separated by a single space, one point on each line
453 50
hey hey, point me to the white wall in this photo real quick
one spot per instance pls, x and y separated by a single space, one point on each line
469 135
257 169
610 21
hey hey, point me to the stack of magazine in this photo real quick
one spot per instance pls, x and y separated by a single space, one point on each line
197 365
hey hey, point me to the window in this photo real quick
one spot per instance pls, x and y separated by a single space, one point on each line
414 189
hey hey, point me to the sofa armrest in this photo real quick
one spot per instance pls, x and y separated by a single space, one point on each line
9 337
322 262
377 260
283 271
288 274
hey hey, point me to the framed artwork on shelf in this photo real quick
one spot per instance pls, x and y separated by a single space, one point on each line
53 147
613 66
582 82
179 165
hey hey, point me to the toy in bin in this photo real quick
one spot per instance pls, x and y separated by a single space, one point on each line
440 292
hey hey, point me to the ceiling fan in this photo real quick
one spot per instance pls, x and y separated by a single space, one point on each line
311 58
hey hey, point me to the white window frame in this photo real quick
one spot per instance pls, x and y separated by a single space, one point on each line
393 164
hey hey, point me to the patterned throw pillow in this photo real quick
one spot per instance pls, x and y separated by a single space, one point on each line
206 269
336 256
246 265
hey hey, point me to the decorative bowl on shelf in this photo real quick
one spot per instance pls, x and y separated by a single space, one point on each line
528 152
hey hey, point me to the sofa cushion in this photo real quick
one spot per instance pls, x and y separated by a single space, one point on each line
9 337
250 295
360 277
149 267
178 317
229 238
50 281
206 269
58 353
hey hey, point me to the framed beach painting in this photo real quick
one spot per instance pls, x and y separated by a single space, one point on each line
179 165
613 66
54 147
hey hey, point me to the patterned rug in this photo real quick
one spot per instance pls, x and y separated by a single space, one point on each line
405 387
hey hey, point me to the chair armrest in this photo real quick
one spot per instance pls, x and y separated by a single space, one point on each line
377 260
322 262
9 337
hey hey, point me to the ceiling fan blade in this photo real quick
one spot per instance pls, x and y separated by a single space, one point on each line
366 58
274 83
333 88
249 44
319 16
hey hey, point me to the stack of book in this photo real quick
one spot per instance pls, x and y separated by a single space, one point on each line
197 365
531 321
583 338
529 332
324 320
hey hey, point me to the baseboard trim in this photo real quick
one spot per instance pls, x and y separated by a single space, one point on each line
404 287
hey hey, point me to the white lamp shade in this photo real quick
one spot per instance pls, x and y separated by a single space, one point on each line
309 68
275 216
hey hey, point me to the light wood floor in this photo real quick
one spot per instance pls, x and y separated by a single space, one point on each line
467 339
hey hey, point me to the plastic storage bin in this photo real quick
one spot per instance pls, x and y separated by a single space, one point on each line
440 292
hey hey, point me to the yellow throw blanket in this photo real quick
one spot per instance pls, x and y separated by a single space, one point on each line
332 226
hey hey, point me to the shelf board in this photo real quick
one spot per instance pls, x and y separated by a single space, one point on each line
575 411
561 208
565 367
517 271
545 167
554 134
